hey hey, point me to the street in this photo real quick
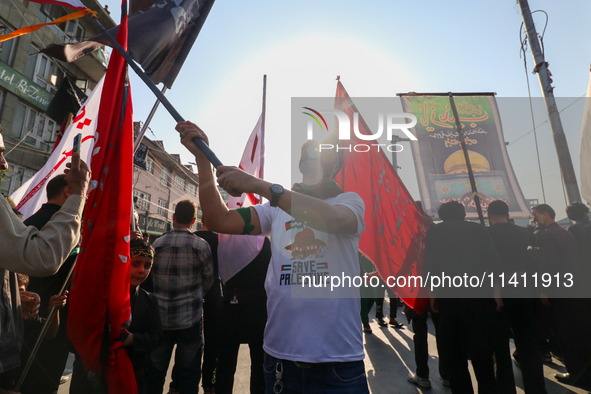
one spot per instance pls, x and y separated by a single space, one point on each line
388 359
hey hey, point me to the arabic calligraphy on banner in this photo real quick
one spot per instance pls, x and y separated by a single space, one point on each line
436 113
439 160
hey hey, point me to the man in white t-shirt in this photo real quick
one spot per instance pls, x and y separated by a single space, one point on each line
312 338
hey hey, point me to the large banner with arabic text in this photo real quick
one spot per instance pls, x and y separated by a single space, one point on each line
440 164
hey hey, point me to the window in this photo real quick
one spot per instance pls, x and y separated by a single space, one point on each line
165 177
192 189
162 207
179 182
74 30
83 85
43 71
143 200
70 31
47 75
13 180
36 129
50 12
31 63
7 48
150 165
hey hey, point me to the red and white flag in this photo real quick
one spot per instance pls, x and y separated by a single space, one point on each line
32 194
394 235
236 251
75 4
100 311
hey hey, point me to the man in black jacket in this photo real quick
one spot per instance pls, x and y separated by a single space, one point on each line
211 303
518 312
466 329
50 361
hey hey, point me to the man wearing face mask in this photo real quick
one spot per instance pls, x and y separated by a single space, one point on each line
312 338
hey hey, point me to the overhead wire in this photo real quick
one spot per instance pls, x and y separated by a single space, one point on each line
546 121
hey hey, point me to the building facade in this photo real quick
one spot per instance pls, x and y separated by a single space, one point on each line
160 181
29 80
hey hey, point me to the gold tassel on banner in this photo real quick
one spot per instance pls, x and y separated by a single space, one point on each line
32 28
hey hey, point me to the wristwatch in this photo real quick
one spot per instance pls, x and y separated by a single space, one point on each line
276 193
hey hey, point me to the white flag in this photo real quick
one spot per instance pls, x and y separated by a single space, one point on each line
236 251
31 195
585 153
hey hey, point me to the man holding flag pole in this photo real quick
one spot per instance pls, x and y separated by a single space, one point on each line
298 341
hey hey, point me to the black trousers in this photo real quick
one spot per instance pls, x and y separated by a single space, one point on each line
241 322
211 303
467 330
518 317
572 322
420 339
227 360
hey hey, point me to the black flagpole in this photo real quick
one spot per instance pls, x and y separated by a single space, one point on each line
467 157
200 144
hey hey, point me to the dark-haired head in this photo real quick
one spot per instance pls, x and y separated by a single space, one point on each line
56 189
452 210
577 211
185 212
545 208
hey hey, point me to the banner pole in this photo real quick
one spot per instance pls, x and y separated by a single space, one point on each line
44 330
264 114
467 157
200 143
136 144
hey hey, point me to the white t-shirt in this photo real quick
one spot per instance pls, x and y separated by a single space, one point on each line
312 324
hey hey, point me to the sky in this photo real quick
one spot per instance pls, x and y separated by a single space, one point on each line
379 48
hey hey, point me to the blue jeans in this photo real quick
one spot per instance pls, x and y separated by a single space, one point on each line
187 361
327 378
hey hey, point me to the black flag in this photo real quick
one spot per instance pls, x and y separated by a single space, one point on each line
161 34
67 100
139 157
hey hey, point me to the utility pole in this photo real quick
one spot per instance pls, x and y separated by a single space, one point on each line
564 159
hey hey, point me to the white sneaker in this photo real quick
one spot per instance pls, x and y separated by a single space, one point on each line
422 382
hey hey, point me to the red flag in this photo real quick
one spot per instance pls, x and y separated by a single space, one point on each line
394 236
99 304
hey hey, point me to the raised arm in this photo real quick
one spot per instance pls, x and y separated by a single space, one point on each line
315 213
215 213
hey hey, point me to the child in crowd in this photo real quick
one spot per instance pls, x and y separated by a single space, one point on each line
145 331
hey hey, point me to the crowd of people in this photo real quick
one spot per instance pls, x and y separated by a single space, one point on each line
300 339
